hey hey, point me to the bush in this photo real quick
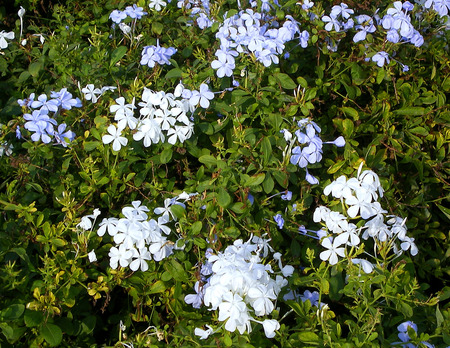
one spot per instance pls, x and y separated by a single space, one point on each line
175 172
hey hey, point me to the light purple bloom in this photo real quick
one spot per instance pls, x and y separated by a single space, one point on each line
279 220
381 58
117 16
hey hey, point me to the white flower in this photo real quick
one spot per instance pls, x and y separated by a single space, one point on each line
120 255
3 36
366 265
91 93
270 326
141 258
333 251
108 224
157 4
115 137
204 334
92 256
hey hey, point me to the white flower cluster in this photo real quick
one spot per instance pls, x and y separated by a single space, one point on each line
239 285
138 239
161 115
360 196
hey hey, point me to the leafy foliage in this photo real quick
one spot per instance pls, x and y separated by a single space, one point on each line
237 163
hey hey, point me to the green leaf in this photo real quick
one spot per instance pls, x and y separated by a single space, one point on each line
196 227
268 184
255 180
445 210
335 167
285 81
166 156
176 270
174 73
266 149
12 312
34 68
91 145
177 210
157 287
117 54
208 160
380 75
308 336
348 111
348 128
411 111
51 333
223 198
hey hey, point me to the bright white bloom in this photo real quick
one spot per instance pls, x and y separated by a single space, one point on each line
334 250
92 256
366 265
140 259
91 93
157 5
203 334
270 326
120 255
115 137
3 36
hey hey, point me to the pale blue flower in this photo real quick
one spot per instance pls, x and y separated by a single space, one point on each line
117 16
279 220
381 58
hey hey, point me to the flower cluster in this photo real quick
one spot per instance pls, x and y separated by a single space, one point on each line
93 94
239 285
246 32
39 122
396 23
404 337
161 115
360 197
310 151
137 237
157 54
134 12
200 11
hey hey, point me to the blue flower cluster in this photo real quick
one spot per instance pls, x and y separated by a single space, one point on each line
251 32
396 23
134 12
200 11
310 151
39 122
157 54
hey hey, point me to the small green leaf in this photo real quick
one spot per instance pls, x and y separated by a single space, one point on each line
308 336
33 318
223 198
117 54
349 111
34 68
174 74
285 81
255 180
208 160
12 312
157 287
177 210
166 156
411 111
51 333
91 145
196 227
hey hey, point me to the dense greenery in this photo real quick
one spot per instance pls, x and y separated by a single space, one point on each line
236 162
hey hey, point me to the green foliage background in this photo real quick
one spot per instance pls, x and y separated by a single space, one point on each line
394 121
